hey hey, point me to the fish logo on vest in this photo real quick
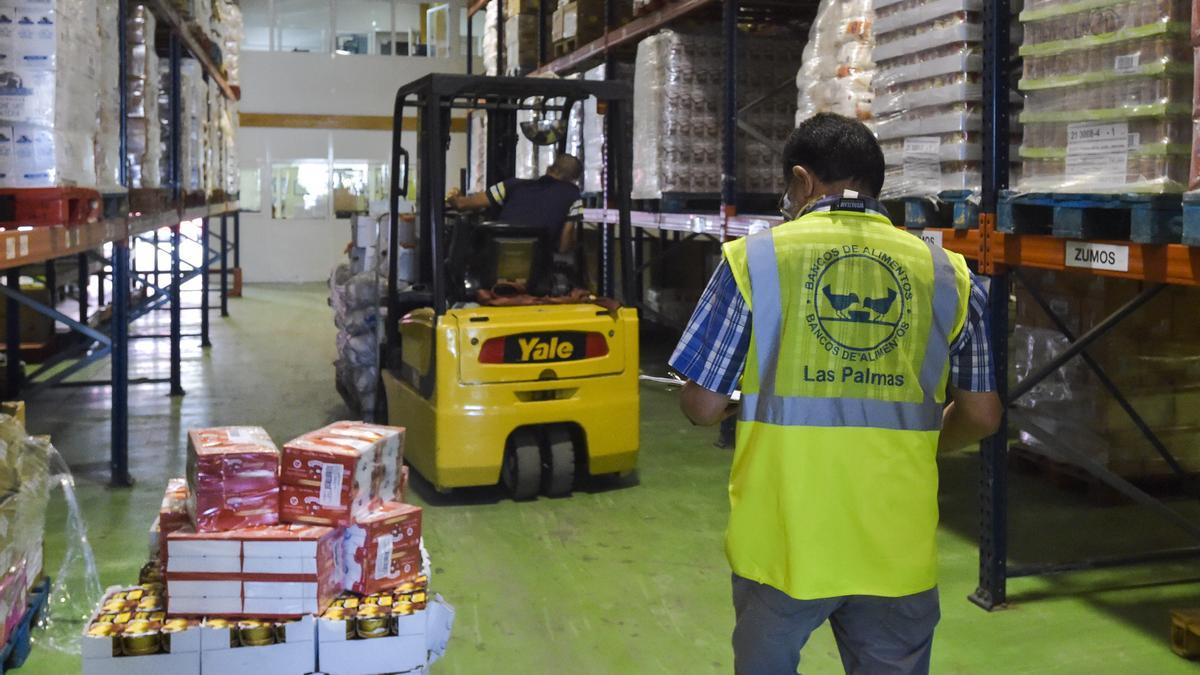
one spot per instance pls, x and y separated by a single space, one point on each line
859 303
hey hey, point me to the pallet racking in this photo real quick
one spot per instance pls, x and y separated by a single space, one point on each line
108 337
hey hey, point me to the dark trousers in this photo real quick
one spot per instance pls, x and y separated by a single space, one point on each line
874 634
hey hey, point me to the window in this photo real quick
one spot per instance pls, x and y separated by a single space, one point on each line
250 195
364 27
256 19
300 189
356 184
302 25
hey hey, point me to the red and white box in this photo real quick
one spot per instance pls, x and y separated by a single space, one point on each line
266 572
233 478
382 549
390 441
173 513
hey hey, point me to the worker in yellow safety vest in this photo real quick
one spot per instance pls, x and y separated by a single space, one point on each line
862 351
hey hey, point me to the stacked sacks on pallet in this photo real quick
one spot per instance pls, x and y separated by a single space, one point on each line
838 67
678 95
355 302
46 129
144 153
106 138
1151 356
1108 92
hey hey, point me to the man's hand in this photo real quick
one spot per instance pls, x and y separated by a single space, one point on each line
460 202
969 418
703 407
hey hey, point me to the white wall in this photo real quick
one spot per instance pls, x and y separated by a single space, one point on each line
296 83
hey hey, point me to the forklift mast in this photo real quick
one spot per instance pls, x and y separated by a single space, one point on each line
433 98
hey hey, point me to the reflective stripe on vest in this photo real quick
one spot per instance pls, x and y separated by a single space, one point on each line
802 411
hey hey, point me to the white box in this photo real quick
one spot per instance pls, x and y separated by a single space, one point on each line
280 606
97 655
297 654
200 606
280 565
422 640
279 589
205 589
337 655
203 563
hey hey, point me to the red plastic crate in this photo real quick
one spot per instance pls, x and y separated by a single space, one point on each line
49 206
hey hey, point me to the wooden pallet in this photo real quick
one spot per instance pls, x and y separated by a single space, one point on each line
49 206
1145 219
707 202
149 200
1185 633
650 7
195 198
564 47
114 205
1073 478
954 209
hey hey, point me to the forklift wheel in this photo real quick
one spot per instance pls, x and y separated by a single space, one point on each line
558 474
523 466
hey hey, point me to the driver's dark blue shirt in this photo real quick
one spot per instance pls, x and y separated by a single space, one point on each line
544 203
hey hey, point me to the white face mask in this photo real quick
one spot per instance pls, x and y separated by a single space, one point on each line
788 208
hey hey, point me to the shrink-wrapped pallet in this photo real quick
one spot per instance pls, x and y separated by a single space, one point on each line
107 134
144 152
677 112
928 103
1108 96
838 66
49 94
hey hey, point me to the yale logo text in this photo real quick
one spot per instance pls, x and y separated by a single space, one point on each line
537 349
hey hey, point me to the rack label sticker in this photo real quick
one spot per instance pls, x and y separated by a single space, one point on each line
10 248
383 556
1097 256
922 160
1127 63
24 244
1099 152
331 484
934 237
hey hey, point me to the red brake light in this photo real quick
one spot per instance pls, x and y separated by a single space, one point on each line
493 351
596 346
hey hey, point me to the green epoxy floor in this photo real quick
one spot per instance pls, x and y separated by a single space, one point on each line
619 578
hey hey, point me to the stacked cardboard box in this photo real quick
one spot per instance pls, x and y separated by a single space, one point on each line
1151 356
333 474
233 478
24 493
1108 92
52 54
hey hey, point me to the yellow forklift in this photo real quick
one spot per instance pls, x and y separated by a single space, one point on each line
535 396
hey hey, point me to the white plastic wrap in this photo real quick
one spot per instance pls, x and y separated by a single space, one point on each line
1152 357
491 48
107 134
478 159
593 140
677 132
838 64
928 95
46 131
1108 97
144 154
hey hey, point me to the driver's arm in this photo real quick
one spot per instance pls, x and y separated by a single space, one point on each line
475 202
566 242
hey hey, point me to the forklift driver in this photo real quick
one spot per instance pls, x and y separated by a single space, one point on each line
551 203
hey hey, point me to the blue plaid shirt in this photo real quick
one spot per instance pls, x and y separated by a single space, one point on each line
712 352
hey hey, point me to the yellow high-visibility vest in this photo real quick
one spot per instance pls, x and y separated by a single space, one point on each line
833 489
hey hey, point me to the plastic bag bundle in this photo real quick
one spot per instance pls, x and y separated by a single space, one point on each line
1108 96
48 130
677 129
144 152
106 137
354 299
838 64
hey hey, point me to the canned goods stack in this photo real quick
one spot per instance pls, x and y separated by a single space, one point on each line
219 583
1108 92
928 95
